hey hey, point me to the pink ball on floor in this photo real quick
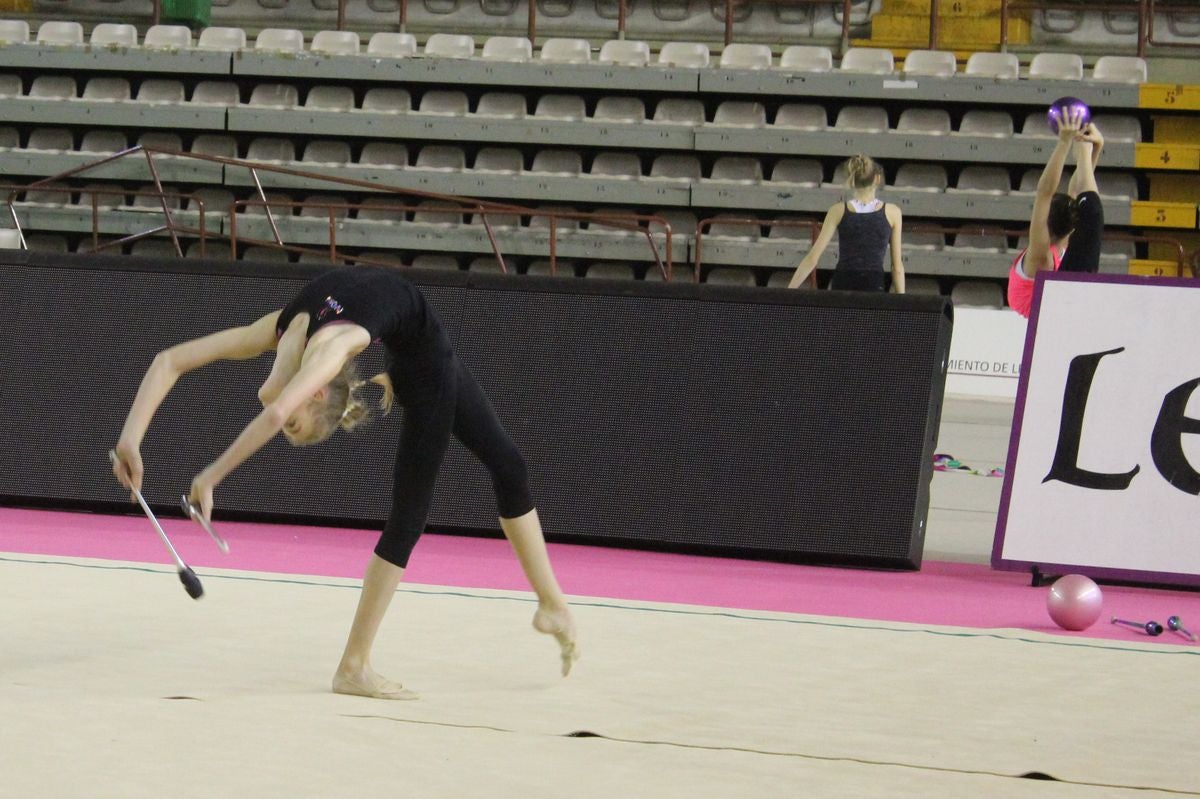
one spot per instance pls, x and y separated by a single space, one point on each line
1074 602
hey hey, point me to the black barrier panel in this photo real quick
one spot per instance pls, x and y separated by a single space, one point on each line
796 425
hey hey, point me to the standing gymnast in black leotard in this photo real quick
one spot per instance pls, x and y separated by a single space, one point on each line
314 388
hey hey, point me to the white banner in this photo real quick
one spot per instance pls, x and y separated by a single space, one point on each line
985 353
1103 471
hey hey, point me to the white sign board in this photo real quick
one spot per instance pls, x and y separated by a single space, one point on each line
985 353
1103 473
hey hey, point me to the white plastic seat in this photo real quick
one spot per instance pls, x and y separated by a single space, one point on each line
1035 125
447 263
745 56
676 166
450 45
384 154
978 122
274 95
167 37
161 140
986 179
1120 69
386 100
1030 178
330 98
740 113
805 171
684 54
737 169
320 207
497 219
543 268
437 212
685 110
148 197
920 284
47 194
10 239
1056 66
279 203
780 278
221 38
507 48
977 294
14 31
682 222
625 52
620 109
107 89
103 141
1118 248
336 43
279 40
386 44
557 162
508 105
381 210
938 63
112 34
862 117
326 151
215 200
807 58
487 264
1122 185
566 51
874 60
53 87
442 157
923 240
561 106
563 224
622 165
105 195
1118 127
610 271
927 121
921 177
730 276
60 32
499 159
271 149
805 116
993 65
157 90
444 101
990 242
216 144
724 227
216 92
52 139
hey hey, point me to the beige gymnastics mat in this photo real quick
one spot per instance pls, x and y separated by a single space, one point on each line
114 683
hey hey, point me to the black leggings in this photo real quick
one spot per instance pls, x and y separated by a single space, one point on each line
1083 249
457 408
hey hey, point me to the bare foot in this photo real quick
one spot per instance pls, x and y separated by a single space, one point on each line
367 683
561 625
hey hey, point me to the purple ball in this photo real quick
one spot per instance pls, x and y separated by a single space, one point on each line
1074 602
1058 110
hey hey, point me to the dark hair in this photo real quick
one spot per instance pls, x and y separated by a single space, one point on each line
1061 217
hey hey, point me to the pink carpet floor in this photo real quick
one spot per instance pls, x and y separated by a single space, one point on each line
942 594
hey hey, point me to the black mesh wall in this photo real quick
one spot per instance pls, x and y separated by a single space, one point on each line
795 425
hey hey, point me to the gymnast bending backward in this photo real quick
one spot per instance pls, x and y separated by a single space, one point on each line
314 388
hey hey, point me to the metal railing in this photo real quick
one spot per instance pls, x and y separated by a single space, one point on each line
813 226
642 225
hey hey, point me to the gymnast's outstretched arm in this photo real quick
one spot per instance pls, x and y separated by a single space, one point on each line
235 343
